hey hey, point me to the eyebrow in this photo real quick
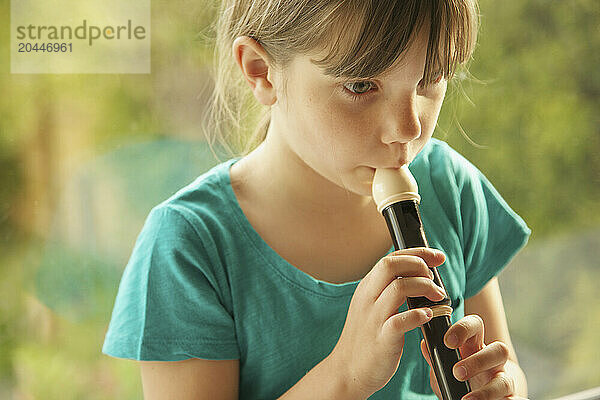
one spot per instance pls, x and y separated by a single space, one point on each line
381 77
384 74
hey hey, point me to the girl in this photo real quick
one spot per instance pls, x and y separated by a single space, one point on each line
273 275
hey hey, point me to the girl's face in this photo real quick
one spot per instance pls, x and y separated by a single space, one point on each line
345 131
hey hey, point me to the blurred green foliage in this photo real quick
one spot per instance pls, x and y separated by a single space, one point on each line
78 151
537 111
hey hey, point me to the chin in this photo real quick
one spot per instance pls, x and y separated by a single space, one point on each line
364 182
366 190
358 182
362 188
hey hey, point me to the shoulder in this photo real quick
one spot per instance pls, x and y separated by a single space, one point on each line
446 181
457 194
195 223
206 195
174 300
203 206
443 165
452 185
457 185
452 179
455 178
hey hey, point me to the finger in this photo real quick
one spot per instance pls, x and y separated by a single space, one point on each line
467 334
491 358
433 257
407 265
395 294
499 387
432 379
407 262
394 328
425 352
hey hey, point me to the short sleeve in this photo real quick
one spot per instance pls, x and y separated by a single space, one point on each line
170 305
492 232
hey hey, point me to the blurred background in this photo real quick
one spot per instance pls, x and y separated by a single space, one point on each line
83 159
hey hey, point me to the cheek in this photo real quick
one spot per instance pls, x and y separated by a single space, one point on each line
429 117
339 129
351 133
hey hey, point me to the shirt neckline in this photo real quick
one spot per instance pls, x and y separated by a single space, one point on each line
277 263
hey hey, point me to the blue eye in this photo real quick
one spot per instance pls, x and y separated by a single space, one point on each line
358 90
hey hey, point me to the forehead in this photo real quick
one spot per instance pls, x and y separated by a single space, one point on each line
410 63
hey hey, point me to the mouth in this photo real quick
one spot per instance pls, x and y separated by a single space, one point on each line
395 166
372 170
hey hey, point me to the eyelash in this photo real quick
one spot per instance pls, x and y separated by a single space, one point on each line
354 96
365 95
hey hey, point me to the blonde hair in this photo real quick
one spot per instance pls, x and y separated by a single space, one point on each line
361 39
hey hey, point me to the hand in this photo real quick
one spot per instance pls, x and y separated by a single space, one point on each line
368 351
482 365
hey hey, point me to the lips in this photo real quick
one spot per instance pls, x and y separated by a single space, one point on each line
397 165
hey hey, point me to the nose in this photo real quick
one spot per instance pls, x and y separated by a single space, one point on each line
402 122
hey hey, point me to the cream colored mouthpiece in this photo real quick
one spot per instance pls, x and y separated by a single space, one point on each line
391 185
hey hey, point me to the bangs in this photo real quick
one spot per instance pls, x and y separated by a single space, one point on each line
359 48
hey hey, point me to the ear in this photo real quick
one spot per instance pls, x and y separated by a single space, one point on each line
252 60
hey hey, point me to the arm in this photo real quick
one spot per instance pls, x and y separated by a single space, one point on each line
488 305
324 381
199 379
193 379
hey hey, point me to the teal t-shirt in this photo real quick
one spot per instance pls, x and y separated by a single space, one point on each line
202 283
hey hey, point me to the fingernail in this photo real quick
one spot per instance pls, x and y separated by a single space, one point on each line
428 313
452 341
470 397
460 372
